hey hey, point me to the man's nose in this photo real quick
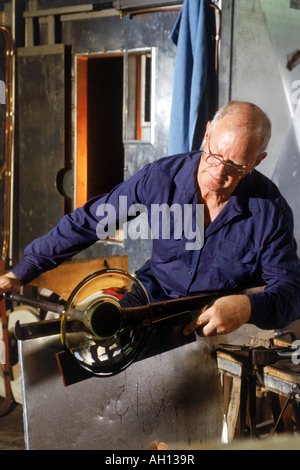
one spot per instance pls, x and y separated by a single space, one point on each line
220 169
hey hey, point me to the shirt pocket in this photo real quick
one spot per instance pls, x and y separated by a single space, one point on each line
165 251
233 263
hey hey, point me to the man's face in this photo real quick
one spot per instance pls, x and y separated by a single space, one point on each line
231 145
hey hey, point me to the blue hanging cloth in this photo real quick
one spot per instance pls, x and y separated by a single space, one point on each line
194 89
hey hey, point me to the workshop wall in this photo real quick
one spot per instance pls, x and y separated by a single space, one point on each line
265 70
60 55
56 41
75 64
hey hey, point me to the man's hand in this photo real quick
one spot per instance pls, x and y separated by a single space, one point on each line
226 314
9 283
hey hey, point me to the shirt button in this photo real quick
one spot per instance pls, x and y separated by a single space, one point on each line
190 271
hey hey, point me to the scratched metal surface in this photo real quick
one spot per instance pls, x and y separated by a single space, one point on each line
173 397
41 138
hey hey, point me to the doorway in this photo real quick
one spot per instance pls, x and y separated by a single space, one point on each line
100 151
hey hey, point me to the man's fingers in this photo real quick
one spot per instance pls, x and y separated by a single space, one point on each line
9 283
196 323
224 316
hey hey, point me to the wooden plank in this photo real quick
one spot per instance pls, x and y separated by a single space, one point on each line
233 407
58 11
63 279
230 357
284 370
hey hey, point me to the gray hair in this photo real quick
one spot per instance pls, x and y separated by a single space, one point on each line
253 119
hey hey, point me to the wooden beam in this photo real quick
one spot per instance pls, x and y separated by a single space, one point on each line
63 279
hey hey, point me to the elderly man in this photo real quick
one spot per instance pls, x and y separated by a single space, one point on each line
247 237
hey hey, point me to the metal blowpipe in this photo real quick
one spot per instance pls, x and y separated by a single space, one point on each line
108 317
100 327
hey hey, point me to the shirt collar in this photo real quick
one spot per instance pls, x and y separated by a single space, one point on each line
240 201
245 196
186 178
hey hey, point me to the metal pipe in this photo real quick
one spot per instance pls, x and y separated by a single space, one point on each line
38 303
8 142
217 37
106 313
148 10
9 46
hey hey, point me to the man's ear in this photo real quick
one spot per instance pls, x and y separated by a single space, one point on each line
207 133
259 159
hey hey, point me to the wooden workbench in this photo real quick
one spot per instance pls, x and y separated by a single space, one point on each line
279 378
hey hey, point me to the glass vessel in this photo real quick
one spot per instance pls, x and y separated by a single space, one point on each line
99 326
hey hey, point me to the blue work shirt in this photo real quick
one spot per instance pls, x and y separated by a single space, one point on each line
250 243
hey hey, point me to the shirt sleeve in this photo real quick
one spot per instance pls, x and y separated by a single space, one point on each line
81 229
279 304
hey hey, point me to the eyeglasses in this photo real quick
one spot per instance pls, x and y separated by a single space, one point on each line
237 171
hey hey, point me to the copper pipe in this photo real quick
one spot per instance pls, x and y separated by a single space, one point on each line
217 37
8 141
7 202
148 10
